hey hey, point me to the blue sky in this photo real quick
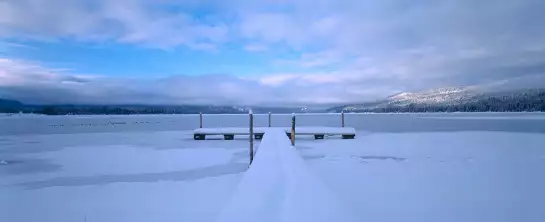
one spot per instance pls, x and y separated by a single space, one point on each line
124 60
287 52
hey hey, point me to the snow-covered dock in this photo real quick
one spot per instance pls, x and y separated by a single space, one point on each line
278 186
318 132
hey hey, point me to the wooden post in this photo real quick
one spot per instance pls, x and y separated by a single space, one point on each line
293 129
251 137
342 118
269 119
200 120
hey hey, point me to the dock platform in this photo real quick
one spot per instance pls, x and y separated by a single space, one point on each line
318 132
280 186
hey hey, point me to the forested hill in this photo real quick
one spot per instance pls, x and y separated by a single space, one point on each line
453 100
11 106
437 100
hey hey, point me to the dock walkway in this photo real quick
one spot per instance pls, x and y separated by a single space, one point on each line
278 186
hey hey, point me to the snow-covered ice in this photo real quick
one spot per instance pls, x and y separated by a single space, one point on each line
160 176
490 117
400 167
464 176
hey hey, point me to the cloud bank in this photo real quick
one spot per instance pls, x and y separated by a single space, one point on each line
347 51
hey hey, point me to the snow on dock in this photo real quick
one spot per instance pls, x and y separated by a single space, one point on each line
279 187
318 132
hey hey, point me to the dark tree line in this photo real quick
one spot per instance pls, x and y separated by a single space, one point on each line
117 110
128 110
134 109
12 106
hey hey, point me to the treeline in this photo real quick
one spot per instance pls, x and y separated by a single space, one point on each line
117 110
13 106
531 101
9 106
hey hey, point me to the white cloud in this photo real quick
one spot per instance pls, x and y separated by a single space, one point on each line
35 83
348 25
13 72
319 59
256 47
276 80
345 51
127 21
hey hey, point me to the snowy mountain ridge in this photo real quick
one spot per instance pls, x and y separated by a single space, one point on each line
433 96
465 98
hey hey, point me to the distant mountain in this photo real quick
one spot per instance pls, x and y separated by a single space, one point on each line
441 96
468 99
434 96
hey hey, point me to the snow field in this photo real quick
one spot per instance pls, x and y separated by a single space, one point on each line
465 176
400 167
160 176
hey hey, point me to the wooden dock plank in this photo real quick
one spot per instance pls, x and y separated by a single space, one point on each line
317 132
261 130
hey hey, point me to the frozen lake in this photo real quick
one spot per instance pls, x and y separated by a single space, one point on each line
401 167
391 123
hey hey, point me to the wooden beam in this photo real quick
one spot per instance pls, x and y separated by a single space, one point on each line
292 129
251 137
342 118
200 120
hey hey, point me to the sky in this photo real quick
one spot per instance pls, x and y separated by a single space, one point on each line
268 52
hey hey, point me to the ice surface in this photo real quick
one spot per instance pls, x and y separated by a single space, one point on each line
464 176
160 176
400 167
278 187
388 122
491 118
